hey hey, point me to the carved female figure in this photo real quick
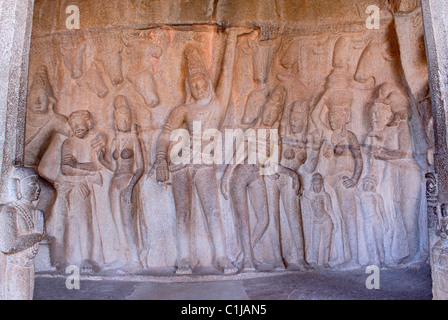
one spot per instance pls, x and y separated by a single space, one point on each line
341 148
126 161
79 172
391 158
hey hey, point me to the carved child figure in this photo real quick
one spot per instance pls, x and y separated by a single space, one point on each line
323 220
375 219
21 229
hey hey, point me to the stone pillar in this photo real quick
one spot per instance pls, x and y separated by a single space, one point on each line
16 17
435 20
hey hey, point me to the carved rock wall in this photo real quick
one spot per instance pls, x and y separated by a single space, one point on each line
349 104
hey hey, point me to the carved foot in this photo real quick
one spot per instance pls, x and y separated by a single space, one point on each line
184 268
132 267
224 265
248 266
349 265
302 266
279 266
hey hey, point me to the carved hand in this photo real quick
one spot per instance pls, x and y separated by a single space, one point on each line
162 173
225 184
275 176
39 222
127 194
238 31
69 160
101 152
99 141
348 182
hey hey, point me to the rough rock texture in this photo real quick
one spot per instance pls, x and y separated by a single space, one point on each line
15 36
345 108
434 15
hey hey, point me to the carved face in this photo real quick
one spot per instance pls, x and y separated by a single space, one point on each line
380 116
30 188
270 115
386 90
299 119
80 127
337 117
199 86
317 185
39 101
123 119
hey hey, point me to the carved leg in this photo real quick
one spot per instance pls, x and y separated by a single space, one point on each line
122 215
274 211
347 205
293 211
182 192
258 199
130 235
240 204
208 192
409 204
326 233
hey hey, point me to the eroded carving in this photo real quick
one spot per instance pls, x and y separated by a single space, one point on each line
22 227
318 94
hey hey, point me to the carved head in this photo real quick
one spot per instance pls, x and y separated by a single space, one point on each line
274 107
122 114
339 116
254 106
386 90
317 182
380 115
72 49
378 60
80 122
27 183
341 53
198 82
298 120
200 86
41 97
369 183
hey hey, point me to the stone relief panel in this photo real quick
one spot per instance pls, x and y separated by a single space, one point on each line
204 149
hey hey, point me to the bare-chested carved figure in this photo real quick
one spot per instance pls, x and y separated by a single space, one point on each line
209 108
243 181
342 149
375 220
390 157
126 161
80 171
42 124
21 230
324 221
294 154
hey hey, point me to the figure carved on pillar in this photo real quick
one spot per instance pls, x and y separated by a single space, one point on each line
22 228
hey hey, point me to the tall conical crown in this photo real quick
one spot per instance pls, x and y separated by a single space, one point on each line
194 62
40 81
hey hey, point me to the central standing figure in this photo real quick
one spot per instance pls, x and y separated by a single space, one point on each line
209 109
